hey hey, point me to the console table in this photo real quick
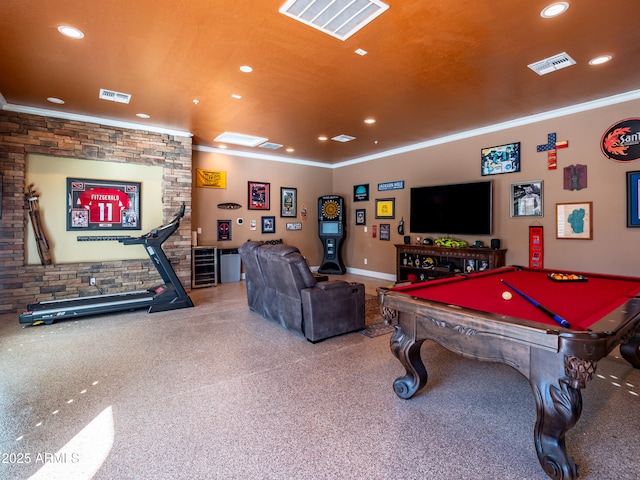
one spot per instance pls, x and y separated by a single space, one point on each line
430 261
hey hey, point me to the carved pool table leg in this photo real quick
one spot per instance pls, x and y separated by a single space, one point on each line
407 350
630 351
556 381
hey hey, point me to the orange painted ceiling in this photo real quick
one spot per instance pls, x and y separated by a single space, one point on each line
433 67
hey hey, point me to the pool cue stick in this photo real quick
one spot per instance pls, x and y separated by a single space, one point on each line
555 316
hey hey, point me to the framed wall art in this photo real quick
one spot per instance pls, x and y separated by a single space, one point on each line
385 231
224 230
288 201
526 199
500 159
103 205
361 193
574 221
633 199
361 216
386 208
268 224
259 196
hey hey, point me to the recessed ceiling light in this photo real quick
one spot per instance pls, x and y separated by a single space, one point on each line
236 96
554 10
70 32
361 52
246 69
600 60
143 115
370 120
323 138
59 101
240 139
196 101
290 150
222 146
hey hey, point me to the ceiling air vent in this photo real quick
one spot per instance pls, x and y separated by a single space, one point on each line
114 96
552 64
338 18
271 145
343 138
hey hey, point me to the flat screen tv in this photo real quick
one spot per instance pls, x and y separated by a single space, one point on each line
457 209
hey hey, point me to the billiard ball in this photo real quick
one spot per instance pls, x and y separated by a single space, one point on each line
507 295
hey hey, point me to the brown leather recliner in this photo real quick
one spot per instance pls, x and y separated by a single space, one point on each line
281 288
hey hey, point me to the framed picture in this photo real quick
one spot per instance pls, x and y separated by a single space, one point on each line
574 221
259 196
361 216
386 208
470 265
268 224
288 201
103 205
500 159
633 199
224 230
526 199
385 231
361 193
294 226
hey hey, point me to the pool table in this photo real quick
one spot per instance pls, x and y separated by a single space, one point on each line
467 314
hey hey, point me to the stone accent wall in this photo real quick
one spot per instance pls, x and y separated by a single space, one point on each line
22 134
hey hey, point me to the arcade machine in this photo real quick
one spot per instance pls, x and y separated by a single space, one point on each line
332 230
170 295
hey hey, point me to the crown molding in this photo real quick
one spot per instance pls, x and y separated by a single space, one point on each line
528 120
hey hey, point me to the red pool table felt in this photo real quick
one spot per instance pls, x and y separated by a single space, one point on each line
580 303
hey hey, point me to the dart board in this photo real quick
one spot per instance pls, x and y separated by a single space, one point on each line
330 210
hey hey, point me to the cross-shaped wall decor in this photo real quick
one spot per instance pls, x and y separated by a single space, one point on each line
550 147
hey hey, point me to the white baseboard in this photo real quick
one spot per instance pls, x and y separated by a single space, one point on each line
364 273
371 273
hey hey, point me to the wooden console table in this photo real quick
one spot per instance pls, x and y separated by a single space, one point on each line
430 261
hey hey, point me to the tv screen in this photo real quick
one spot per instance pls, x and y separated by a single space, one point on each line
457 209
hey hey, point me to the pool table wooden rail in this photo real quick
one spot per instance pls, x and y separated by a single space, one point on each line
557 361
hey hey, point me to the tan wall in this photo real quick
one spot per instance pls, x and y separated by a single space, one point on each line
311 182
614 248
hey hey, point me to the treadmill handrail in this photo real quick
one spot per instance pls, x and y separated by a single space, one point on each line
166 230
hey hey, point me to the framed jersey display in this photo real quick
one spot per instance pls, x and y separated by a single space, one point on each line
102 205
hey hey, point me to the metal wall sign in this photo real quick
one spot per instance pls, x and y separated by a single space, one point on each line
399 185
621 141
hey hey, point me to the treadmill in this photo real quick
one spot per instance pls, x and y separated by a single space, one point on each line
169 295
